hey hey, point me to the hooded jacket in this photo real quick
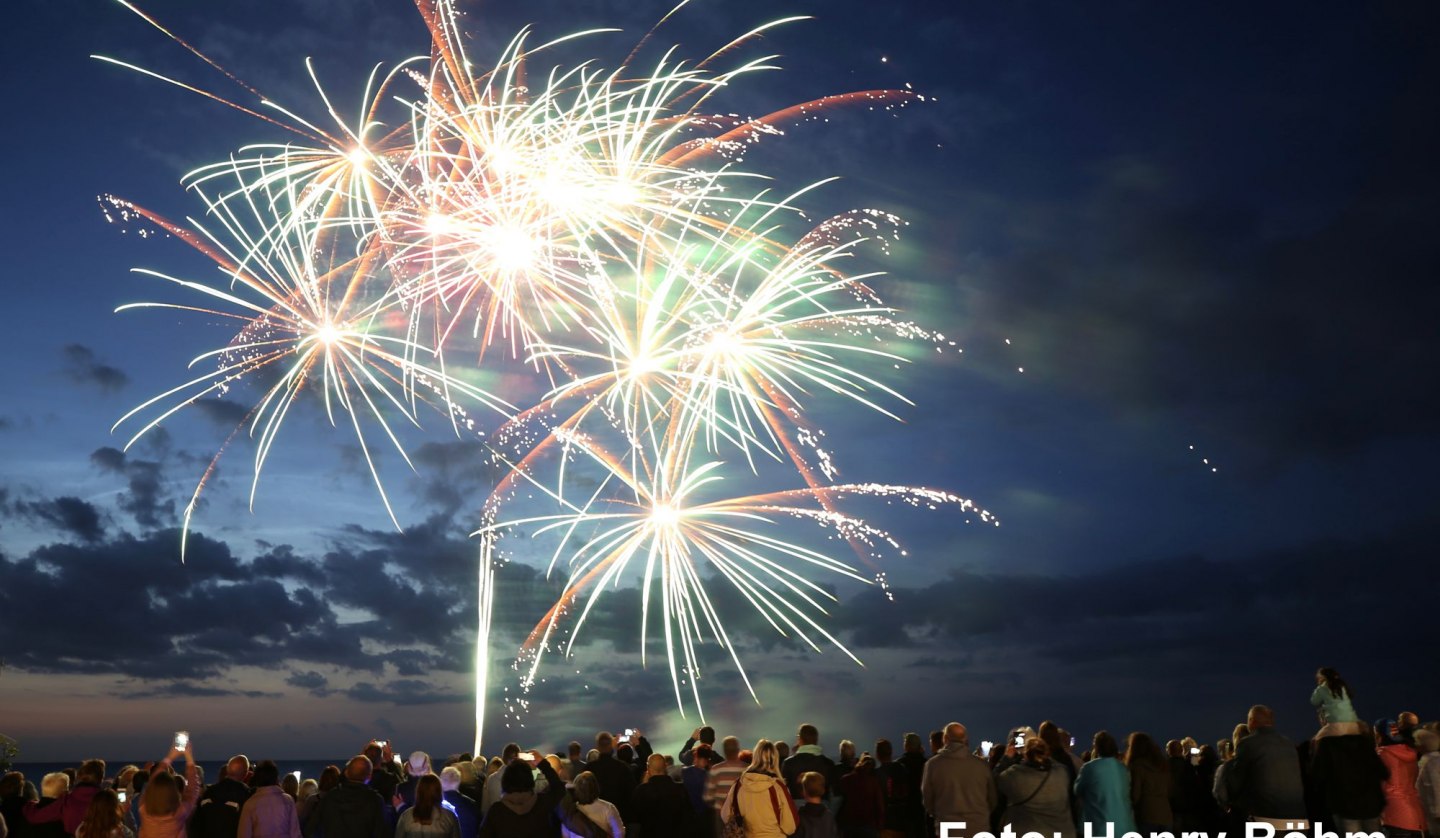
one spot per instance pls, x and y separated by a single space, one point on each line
525 814
765 803
958 786
815 821
1402 800
269 813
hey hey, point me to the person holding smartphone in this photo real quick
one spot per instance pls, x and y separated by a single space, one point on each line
167 804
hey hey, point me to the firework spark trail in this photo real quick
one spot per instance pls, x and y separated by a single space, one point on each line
595 230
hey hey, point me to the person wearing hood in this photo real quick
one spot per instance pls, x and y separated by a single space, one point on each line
521 812
1102 790
957 786
1403 815
69 808
352 809
269 812
761 797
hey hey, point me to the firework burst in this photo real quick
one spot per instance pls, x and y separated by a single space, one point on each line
598 231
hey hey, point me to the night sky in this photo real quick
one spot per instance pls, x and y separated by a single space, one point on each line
1205 232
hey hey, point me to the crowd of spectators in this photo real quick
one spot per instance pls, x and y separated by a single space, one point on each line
1350 777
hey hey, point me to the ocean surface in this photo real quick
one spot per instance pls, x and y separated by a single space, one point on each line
308 768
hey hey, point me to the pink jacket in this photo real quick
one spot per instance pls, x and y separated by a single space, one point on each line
1402 800
69 808
269 813
173 825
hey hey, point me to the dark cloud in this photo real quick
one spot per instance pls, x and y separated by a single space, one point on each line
456 475
144 497
403 691
185 689
312 681
70 515
1251 628
222 412
83 367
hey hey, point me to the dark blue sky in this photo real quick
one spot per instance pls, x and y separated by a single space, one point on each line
1206 225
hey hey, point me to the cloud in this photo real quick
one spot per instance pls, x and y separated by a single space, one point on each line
185 689
312 681
405 691
454 474
83 367
144 497
222 412
70 515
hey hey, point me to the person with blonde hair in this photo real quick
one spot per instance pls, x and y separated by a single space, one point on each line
761 798
164 809
69 804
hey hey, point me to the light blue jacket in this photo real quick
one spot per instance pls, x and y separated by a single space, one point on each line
1103 792
1333 709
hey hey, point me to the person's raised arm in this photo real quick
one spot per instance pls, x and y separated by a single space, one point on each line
686 756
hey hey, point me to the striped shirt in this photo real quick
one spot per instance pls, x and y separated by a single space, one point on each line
722 776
